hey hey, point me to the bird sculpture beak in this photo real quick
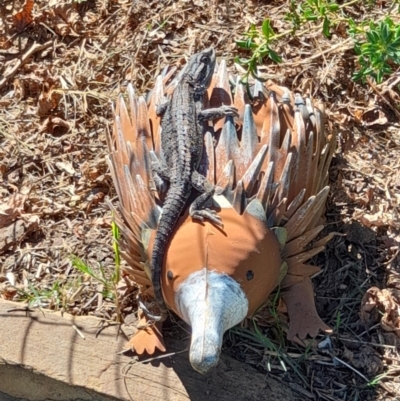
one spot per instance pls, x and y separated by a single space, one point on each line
211 303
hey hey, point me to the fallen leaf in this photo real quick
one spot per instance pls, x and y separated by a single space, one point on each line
375 303
10 210
79 231
24 18
15 232
48 102
366 358
375 116
358 114
55 125
11 278
102 221
66 166
7 291
379 219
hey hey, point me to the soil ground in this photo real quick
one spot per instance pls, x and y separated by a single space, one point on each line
61 66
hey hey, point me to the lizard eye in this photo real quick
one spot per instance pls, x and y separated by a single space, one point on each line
204 59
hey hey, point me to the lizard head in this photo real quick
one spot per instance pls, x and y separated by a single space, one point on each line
200 69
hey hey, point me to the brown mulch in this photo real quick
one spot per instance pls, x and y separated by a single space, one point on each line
61 66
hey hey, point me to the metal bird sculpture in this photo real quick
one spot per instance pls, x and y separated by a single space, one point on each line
271 167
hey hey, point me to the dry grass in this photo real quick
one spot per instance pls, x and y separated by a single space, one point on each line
57 78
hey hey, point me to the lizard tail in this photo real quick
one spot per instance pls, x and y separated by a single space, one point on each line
173 207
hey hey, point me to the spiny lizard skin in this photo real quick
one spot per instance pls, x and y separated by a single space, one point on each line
182 142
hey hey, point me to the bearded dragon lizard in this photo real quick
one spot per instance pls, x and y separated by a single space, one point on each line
182 142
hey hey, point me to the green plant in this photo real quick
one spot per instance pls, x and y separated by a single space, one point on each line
312 10
376 380
259 43
117 272
47 297
376 43
117 256
379 51
273 310
109 282
60 295
338 322
260 339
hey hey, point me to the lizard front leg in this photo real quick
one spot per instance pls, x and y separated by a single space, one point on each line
219 112
197 210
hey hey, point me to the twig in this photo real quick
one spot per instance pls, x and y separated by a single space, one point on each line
79 58
376 90
369 343
383 385
34 49
329 50
78 331
335 358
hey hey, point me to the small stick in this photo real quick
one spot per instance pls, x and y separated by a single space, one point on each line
35 48
376 90
78 331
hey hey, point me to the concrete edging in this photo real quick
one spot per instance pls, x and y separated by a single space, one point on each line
47 343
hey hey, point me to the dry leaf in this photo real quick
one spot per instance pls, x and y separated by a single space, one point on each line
68 22
24 18
102 221
55 125
12 209
67 167
379 219
375 303
15 232
11 278
358 114
7 291
366 358
374 116
48 102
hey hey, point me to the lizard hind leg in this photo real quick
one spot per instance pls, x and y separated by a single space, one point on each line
197 210
159 174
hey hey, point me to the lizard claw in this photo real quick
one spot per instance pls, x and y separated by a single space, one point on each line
230 111
151 316
208 214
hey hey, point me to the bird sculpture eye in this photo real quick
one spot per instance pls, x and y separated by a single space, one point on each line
250 275
170 275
